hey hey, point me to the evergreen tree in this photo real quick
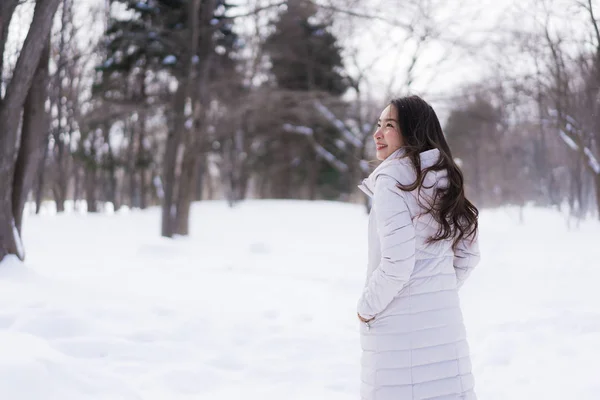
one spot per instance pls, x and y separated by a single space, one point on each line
194 42
303 53
306 61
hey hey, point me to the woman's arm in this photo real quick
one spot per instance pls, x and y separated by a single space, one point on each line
466 258
397 238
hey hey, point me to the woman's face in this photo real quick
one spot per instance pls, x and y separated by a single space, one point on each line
387 136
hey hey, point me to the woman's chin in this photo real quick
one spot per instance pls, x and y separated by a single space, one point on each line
382 154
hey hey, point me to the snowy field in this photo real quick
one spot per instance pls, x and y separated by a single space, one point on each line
259 303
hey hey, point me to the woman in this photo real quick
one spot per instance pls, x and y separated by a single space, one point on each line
422 247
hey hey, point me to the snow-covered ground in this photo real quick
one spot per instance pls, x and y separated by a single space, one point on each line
259 303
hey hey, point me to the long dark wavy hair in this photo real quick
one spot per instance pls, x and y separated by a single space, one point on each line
421 131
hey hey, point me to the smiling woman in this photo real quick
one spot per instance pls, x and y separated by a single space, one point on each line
387 136
422 247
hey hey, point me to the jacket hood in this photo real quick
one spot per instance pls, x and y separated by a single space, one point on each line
398 167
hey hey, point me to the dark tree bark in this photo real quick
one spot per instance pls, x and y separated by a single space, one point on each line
129 128
313 177
111 169
76 184
91 176
10 112
41 176
62 179
597 182
36 124
187 189
170 162
200 178
142 169
174 139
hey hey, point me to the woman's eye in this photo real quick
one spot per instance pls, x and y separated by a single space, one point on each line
390 125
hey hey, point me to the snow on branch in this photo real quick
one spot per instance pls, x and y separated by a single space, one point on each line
302 130
331 159
169 60
320 150
591 159
346 133
570 137
567 139
554 113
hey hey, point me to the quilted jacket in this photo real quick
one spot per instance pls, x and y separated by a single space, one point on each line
415 346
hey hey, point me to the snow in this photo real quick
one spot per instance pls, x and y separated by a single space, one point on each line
320 150
259 303
301 130
108 63
145 7
331 159
169 60
346 134
567 139
592 160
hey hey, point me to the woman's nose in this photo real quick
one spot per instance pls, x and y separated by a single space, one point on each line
377 135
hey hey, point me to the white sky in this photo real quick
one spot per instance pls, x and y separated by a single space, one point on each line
378 49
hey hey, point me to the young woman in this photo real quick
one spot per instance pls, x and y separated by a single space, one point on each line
422 247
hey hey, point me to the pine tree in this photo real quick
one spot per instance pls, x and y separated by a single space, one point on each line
306 60
193 41
304 54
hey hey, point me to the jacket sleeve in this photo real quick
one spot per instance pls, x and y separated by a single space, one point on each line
466 257
397 239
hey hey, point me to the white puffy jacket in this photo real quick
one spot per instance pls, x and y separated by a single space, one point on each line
415 347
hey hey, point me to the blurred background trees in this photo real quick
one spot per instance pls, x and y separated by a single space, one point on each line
123 103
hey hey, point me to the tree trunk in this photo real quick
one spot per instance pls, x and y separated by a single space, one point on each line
141 156
187 188
131 164
60 185
200 178
111 169
313 177
10 112
286 172
36 124
169 211
76 185
41 176
597 184
243 184
58 197
170 162
91 175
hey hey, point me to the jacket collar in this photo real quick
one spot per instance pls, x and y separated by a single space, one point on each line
428 158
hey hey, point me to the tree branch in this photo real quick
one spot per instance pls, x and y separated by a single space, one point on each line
258 10
594 24
365 15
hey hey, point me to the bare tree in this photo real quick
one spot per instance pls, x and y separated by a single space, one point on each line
35 128
575 96
11 107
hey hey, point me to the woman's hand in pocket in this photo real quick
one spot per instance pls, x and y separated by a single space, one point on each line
363 319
